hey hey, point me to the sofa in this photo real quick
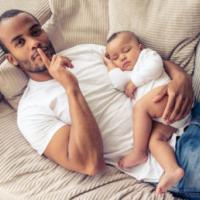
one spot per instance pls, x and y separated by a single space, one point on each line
170 27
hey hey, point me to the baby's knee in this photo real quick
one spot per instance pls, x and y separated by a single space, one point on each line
139 106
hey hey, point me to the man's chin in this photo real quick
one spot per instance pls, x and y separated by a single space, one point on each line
40 69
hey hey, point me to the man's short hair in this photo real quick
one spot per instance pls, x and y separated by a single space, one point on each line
8 14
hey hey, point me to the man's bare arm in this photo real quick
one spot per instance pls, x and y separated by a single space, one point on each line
79 146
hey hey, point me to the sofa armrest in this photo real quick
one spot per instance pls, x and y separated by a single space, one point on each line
196 74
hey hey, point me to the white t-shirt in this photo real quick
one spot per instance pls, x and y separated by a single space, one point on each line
43 109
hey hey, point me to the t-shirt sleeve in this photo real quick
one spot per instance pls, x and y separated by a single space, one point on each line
38 125
149 67
118 78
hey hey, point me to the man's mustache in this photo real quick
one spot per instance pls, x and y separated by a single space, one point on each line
35 53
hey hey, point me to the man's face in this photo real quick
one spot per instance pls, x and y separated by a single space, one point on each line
22 35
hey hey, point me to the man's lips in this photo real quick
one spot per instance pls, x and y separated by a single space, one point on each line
36 54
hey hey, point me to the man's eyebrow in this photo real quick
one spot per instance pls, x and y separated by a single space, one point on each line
34 26
16 38
19 36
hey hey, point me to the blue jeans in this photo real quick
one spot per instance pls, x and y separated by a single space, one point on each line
188 157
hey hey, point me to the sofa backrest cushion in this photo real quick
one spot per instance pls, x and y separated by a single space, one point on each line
77 22
171 27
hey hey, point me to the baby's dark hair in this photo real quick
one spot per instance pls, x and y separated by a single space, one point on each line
114 35
8 14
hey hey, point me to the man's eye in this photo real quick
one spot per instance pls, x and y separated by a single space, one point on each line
36 32
20 42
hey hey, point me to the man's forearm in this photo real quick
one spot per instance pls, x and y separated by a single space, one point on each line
174 71
85 143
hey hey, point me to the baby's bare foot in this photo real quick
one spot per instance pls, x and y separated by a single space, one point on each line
169 179
132 159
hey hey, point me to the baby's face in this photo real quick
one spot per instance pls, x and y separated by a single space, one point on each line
124 51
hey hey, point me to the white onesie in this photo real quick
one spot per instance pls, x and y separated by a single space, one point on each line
148 73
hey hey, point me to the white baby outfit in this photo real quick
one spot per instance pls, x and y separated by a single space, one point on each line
148 73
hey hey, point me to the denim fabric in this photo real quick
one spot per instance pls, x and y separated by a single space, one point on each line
188 156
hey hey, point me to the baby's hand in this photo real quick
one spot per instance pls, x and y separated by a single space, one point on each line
110 65
130 89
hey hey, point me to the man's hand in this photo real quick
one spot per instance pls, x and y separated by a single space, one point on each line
130 89
180 98
57 68
110 65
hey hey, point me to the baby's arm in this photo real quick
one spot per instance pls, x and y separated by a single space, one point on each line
118 78
130 89
149 67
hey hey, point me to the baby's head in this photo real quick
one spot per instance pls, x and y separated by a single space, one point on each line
123 49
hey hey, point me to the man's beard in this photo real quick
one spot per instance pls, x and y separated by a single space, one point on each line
38 69
49 51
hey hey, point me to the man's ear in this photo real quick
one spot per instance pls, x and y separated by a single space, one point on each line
11 59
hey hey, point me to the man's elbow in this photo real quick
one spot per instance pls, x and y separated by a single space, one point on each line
93 170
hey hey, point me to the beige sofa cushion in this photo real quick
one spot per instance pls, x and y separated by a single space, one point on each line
77 22
170 27
12 83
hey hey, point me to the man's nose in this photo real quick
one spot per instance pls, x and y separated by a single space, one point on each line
34 43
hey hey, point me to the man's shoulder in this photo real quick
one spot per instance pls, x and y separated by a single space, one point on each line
82 48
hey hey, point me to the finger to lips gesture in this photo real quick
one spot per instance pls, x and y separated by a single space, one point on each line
57 68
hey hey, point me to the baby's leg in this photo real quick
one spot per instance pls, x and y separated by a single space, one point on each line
141 131
164 154
143 112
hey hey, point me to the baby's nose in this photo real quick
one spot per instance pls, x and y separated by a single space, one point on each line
122 57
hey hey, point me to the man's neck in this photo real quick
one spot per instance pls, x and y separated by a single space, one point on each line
44 76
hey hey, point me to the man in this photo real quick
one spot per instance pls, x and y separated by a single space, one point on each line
55 118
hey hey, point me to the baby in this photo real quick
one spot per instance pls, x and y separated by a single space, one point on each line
140 73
